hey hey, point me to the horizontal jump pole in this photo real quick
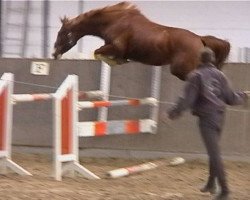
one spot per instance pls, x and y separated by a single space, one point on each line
31 97
47 96
128 102
126 171
115 127
91 94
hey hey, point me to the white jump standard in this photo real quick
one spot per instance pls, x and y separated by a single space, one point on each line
66 138
65 118
6 89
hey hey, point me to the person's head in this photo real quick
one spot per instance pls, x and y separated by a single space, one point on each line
207 55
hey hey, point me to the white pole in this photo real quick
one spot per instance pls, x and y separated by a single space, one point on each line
105 88
155 93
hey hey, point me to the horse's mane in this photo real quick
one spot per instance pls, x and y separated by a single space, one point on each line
128 6
120 7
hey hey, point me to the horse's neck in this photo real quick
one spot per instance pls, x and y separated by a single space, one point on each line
84 25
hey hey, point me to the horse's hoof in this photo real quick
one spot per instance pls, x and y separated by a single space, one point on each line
111 62
98 56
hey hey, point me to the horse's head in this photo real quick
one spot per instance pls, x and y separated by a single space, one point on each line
65 39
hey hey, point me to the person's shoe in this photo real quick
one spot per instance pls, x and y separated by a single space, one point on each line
211 190
223 196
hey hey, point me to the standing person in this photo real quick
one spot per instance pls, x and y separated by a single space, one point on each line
206 93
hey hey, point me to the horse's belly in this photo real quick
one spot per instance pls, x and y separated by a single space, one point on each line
149 56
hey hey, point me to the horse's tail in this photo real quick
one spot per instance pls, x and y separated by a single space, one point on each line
220 47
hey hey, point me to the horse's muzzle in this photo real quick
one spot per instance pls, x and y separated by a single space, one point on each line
56 55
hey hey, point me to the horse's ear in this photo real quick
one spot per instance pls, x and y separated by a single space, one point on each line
64 19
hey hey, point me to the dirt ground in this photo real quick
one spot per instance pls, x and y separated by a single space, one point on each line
165 182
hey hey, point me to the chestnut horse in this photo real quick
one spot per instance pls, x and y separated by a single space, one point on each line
129 35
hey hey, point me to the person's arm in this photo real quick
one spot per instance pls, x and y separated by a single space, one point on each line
190 94
232 97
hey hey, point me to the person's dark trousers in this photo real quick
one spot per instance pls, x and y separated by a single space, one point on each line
210 133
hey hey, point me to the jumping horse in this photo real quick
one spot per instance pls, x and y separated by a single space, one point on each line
130 36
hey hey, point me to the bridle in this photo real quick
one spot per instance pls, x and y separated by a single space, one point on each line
70 37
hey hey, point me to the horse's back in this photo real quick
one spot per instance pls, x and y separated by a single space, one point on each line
184 38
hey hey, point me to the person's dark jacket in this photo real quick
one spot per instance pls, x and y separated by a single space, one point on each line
207 91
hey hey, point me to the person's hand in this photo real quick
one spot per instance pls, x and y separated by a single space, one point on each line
247 92
246 102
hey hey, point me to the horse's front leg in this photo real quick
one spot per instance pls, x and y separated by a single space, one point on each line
109 54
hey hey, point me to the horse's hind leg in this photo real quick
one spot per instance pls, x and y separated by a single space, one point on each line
109 54
183 63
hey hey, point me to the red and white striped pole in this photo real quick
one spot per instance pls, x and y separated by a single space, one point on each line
30 97
129 102
131 170
115 127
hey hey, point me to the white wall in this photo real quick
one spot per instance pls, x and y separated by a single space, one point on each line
225 19
13 19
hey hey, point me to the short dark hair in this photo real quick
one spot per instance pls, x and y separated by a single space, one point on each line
207 55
